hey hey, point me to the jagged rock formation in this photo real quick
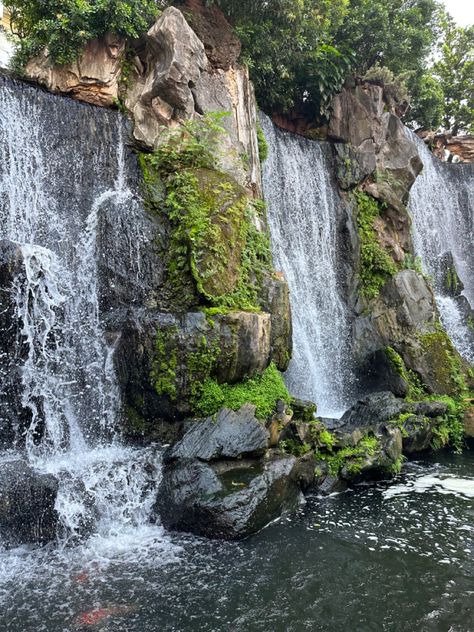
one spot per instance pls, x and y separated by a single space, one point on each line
449 148
212 485
93 78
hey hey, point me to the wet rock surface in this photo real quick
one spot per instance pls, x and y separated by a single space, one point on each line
227 499
229 435
27 498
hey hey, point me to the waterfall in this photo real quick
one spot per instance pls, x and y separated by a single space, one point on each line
64 169
442 207
305 213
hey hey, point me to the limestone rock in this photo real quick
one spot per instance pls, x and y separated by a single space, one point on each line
93 77
227 499
27 498
378 137
230 435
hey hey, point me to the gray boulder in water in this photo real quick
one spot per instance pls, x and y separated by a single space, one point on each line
228 499
27 499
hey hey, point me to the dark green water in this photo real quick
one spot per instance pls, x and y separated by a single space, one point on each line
396 558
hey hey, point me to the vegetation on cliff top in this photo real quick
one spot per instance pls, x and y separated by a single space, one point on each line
299 51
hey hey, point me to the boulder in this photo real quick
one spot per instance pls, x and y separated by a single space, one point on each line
230 435
27 499
373 410
93 77
160 87
227 499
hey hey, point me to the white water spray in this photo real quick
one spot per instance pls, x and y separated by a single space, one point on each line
442 206
69 387
303 212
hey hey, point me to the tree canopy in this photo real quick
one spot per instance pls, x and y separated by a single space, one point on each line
299 52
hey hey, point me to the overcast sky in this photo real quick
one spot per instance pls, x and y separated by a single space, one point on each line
461 10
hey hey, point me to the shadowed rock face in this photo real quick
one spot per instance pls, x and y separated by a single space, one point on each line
11 410
27 498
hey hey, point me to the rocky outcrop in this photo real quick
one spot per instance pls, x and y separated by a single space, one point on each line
211 487
27 498
449 148
378 141
94 77
228 436
162 358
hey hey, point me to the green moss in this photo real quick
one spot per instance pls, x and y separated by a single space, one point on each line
165 362
261 390
444 361
352 458
199 365
376 266
135 424
415 390
296 448
452 281
262 144
214 243
449 429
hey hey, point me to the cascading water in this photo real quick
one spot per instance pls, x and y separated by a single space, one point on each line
56 183
304 214
442 206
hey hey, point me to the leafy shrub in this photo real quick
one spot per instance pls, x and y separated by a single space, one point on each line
65 26
261 390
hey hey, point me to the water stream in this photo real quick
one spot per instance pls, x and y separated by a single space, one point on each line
305 213
442 206
55 185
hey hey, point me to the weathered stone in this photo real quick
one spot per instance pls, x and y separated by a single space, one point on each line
93 77
191 347
160 90
27 498
227 499
275 299
232 92
418 434
352 165
373 410
221 44
230 435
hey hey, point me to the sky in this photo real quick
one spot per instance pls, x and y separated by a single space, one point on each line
461 10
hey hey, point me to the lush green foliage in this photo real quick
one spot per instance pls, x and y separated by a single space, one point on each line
261 390
352 458
65 26
376 266
287 45
455 74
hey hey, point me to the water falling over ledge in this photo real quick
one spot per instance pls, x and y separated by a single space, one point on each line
305 213
442 207
65 172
